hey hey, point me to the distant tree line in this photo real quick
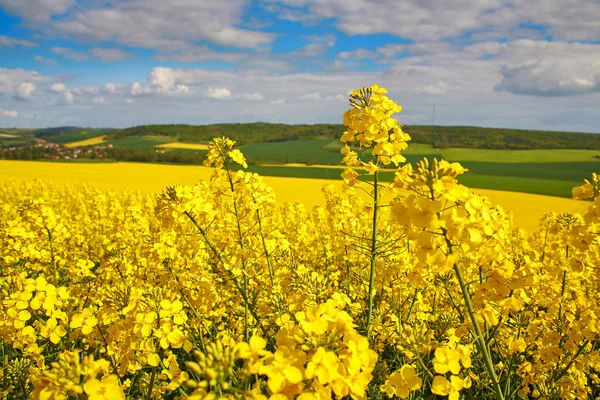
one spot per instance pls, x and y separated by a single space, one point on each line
101 153
241 133
438 136
143 155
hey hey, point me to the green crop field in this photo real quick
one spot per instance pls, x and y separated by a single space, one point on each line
75 137
549 187
139 142
549 172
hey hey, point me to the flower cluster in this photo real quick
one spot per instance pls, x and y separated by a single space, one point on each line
370 124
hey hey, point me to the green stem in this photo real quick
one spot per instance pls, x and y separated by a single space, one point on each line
241 242
373 255
566 368
5 365
267 255
54 270
480 340
229 273
562 294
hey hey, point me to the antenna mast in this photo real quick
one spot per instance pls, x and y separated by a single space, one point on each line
433 118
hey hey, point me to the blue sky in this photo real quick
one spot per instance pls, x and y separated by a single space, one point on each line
506 63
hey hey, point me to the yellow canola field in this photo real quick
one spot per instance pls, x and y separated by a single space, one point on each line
87 142
153 178
177 145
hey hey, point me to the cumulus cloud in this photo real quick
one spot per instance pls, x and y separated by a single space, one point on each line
25 91
181 24
198 53
277 101
113 88
86 91
336 97
98 100
138 90
7 41
68 97
311 96
36 11
45 61
437 88
218 93
58 88
15 80
70 53
542 68
8 113
251 96
318 45
430 20
169 81
107 55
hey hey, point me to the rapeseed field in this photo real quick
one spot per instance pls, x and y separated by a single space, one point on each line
416 289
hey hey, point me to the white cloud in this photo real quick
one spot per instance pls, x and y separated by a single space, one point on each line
318 45
277 101
542 68
58 88
98 100
25 91
181 89
8 113
137 90
12 80
113 88
198 53
336 97
438 88
36 11
70 53
86 91
68 97
163 78
7 41
169 26
384 52
218 93
431 20
169 81
45 61
107 55
357 54
251 96
311 96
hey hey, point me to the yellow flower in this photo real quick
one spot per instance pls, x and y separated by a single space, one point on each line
446 359
106 389
450 388
402 382
53 330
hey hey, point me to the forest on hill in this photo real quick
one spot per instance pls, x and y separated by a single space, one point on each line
437 136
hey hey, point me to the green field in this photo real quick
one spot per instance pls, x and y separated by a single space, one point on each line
139 142
75 137
549 172
549 187
16 137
